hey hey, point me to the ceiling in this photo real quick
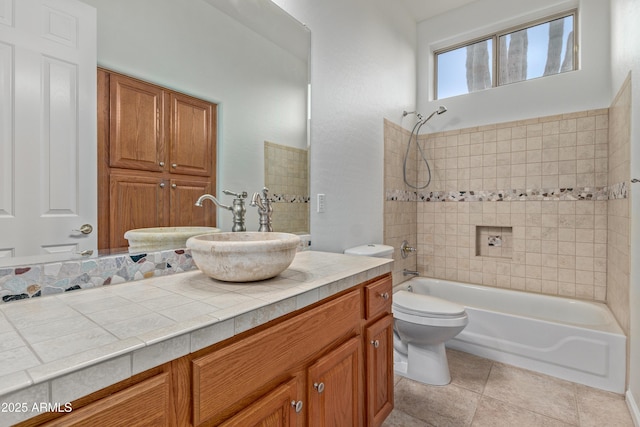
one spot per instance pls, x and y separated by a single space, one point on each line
425 9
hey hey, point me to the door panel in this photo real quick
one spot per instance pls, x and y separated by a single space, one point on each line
184 194
137 125
379 345
48 142
275 409
191 136
136 202
334 387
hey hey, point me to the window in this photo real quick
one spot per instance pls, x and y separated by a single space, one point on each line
538 49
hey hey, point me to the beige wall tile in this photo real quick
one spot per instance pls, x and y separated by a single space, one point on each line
560 247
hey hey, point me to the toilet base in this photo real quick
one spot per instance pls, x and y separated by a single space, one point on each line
426 364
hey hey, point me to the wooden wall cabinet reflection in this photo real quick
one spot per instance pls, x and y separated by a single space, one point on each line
156 156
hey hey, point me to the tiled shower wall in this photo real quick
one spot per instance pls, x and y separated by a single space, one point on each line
618 214
553 190
286 171
400 218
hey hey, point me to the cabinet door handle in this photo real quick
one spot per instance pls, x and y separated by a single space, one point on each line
319 387
375 343
297 405
384 296
162 185
161 164
174 186
174 165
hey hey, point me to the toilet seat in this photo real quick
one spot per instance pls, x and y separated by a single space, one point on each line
427 310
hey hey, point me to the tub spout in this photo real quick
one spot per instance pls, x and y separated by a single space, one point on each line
406 272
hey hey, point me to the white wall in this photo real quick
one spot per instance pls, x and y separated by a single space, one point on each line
192 47
362 70
625 58
587 88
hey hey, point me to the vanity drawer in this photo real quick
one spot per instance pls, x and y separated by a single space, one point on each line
378 297
233 376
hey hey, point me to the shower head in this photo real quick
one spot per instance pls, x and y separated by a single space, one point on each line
441 110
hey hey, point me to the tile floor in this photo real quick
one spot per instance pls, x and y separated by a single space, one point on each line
487 393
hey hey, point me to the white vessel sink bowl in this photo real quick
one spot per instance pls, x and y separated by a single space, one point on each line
160 238
243 256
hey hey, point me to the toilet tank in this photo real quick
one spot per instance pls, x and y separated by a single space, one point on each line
374 250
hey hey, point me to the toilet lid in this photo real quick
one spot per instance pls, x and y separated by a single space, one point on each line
425 305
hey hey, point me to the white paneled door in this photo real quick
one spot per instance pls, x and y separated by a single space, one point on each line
48 145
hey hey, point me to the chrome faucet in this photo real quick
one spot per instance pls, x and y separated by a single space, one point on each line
262 202
406 272
238 209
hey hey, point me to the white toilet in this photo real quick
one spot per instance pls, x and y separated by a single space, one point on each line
422 325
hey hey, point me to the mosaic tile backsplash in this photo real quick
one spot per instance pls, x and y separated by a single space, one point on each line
36 280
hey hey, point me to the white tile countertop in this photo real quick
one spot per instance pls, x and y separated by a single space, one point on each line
59 348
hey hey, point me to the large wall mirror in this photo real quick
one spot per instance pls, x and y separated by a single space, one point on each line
248 57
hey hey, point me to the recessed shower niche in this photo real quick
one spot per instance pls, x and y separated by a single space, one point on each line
494 242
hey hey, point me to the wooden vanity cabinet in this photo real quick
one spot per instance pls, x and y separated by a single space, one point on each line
157 155
326 365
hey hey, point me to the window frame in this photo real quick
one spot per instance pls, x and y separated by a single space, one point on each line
495 39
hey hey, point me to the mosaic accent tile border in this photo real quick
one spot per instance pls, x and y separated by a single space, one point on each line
615 191
290 198
36 280
618 191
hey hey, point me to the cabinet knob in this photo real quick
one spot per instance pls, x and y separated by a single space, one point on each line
161 164
384 296
174 165
174 186
375 343
319 387
297 405
162 185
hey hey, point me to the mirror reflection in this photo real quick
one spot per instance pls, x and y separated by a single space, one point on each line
250 60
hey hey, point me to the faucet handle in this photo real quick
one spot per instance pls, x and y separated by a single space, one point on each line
242 195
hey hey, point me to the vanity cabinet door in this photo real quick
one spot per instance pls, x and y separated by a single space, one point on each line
334 387
379 354
183 212
192 135
281 407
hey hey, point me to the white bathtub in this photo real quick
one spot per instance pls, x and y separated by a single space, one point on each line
574 340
